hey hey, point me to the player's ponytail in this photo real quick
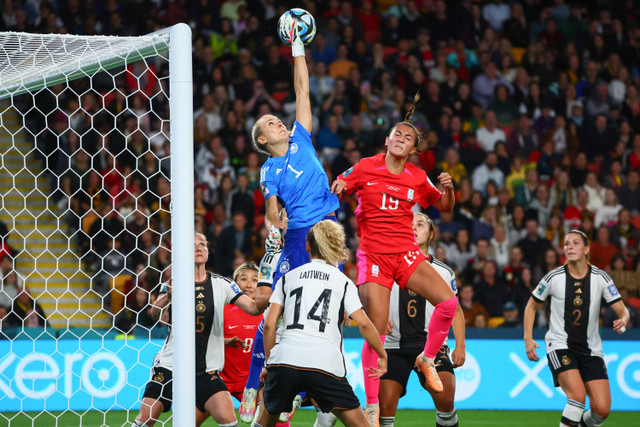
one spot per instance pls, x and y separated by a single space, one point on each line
326 240
256 132
421 143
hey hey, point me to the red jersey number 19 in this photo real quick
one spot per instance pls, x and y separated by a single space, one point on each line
391 204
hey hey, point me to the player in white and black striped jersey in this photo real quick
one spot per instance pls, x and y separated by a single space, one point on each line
574 346
212 293
312 300
409 316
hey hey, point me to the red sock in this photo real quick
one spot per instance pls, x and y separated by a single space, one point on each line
370 358
439 325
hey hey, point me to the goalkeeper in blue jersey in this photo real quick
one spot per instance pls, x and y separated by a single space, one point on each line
293 176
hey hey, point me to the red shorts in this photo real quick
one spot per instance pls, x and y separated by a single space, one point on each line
385 269
236 389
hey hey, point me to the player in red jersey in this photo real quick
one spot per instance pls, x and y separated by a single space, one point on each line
239 330
387 188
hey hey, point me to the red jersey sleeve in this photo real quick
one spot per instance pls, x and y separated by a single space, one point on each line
429 194
353 177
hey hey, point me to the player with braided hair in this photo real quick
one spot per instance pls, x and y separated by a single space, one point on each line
388 187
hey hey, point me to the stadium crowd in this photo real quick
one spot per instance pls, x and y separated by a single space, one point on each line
532 106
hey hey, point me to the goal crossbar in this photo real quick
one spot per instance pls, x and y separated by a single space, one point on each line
29 62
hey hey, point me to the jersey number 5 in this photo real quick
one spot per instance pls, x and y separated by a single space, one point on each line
390 204
323 318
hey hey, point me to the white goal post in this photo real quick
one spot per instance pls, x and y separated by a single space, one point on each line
44 232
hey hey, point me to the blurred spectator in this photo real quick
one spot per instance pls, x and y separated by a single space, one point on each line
448 227
597 139
213 119
541 205
607 214
137 311
610 315
624 233
516 225
476 263
490 134
10 281
342 66
562 194
533 245
491 290
328 141
496 13
595 190
480 321
487 171
470 308
460 250
602 250
233 238
554 231
512 272
629 193
27 312
525 194
241 199
485 83
500 247
514 28
505 109
516 176
573 214
463 60
511 315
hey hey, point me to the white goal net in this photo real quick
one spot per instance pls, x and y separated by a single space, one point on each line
86 218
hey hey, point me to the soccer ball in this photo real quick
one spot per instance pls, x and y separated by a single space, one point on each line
306 26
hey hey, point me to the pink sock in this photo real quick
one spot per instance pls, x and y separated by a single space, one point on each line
439 325
370 358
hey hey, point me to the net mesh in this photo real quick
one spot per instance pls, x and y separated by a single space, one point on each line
85 191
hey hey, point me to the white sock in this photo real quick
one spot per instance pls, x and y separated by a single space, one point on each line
591 419
137 423
447 418
254 423
325 419
572 413
233 424
387 421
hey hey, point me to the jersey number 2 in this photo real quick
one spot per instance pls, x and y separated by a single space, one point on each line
323 318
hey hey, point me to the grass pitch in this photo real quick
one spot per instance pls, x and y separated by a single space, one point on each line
305 418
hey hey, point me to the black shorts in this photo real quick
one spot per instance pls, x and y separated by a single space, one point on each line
590 367
328 391
402 362
159 387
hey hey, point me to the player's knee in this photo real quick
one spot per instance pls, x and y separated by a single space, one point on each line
600 409
578 396
445 406
388 409
448 307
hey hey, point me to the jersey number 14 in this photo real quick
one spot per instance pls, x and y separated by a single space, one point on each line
324 299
